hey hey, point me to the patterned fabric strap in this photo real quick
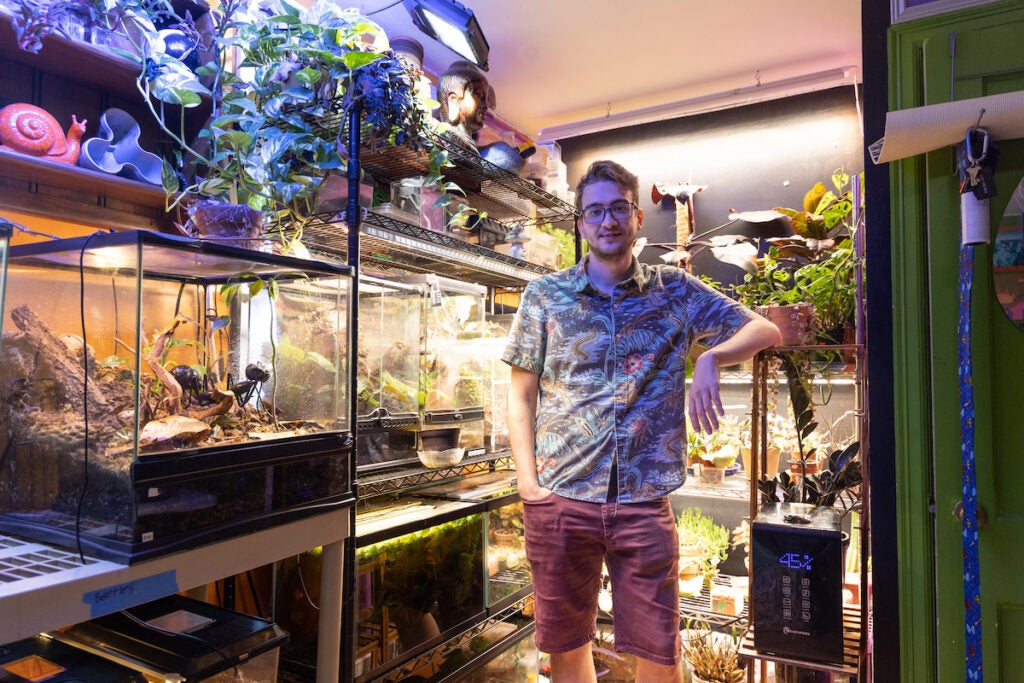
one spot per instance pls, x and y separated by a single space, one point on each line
972 582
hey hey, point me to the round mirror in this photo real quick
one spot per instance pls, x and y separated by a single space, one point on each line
1008 259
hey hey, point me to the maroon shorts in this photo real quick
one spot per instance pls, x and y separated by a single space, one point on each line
566 543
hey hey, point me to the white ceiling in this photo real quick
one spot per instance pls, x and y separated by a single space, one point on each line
556 62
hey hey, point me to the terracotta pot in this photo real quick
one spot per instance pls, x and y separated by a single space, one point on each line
808 466
712 475
772 467
793 320
506 538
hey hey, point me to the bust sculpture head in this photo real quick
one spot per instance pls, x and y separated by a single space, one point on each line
464 96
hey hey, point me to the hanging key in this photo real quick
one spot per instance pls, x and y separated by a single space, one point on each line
985 183
981 159
969 179
967 165
976 157
976 160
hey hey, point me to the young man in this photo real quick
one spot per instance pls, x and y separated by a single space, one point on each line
598 430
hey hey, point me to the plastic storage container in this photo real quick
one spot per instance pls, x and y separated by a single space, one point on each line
181 640
215 392
412 197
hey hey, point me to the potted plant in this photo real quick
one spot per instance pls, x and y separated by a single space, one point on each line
281 105
702 540
779 438
836 484
713 656
770 291
714 453
811 276
279 80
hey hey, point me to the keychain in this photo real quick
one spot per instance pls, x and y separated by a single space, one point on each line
976 160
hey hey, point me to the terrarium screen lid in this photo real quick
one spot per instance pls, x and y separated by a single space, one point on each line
909 132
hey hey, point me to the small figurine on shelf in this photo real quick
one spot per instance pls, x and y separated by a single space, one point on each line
517 240
28 129
464 97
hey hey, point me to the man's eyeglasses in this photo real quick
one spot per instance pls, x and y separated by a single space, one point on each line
620 211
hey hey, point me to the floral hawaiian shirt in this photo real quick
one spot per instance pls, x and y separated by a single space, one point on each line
613 372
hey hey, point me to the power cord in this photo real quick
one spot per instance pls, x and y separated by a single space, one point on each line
378 11
85 397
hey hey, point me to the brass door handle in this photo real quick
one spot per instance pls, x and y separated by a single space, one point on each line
958 512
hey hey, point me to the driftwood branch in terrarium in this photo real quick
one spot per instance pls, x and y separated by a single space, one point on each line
223 402
153 360
67 369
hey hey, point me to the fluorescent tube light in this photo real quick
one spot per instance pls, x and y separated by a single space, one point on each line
726 99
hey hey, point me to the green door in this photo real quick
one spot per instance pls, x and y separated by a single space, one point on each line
989 59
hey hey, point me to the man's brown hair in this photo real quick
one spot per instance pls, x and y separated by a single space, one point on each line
608 170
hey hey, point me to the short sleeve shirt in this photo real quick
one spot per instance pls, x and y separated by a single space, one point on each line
612 376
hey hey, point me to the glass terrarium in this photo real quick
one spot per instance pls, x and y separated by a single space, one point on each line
388 372
417 588
508 572
164 392
497 380
451 381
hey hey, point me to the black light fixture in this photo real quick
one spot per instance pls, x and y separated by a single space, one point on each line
452 24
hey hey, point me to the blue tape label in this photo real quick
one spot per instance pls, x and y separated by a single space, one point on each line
130 593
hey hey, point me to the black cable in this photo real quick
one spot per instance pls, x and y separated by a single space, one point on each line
177 300
377 11
85 397
302 582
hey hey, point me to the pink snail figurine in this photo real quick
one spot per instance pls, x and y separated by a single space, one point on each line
31 130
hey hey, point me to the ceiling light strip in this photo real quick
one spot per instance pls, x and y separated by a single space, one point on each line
786 87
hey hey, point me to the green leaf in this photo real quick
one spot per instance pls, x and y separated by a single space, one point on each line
235 140
308 76
355 60
169 178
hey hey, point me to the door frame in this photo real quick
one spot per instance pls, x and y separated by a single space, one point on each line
924 357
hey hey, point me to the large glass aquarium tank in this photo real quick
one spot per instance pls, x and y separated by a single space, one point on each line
418 589
162 392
